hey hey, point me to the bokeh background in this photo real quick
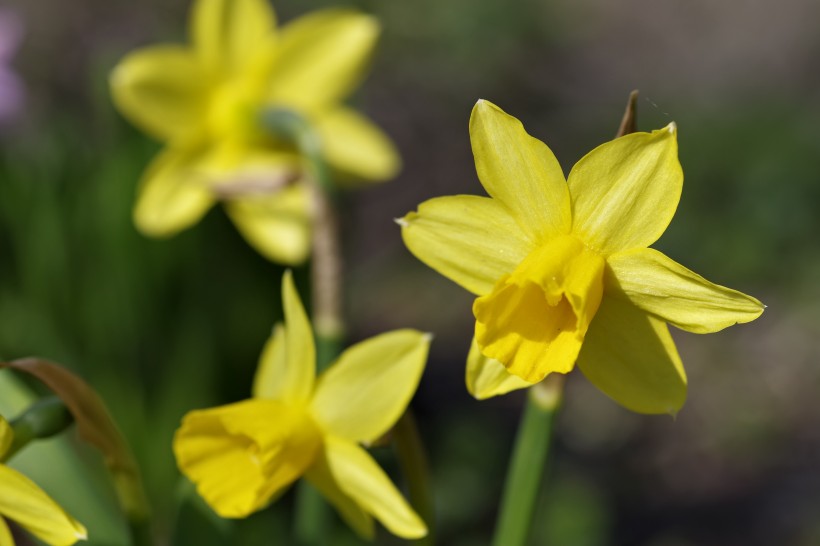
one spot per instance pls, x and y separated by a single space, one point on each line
164 326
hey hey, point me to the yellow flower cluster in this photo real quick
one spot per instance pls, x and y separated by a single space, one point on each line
205 101
561 267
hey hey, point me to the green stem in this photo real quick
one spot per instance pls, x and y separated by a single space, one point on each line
141 533
313 517
529 458
45 418
413 461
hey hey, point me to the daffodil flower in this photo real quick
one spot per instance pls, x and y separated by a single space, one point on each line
205 101
26 504
243 455
562 268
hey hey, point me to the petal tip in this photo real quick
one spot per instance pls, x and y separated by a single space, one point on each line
403 222
482 104
672 128
428 336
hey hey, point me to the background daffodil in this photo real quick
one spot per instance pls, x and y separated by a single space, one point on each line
205 102
243 455
23 502
561 267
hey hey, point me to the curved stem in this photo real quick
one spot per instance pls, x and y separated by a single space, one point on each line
45 418
529 458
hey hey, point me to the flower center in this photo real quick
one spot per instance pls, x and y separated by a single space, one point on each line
232 111
535 319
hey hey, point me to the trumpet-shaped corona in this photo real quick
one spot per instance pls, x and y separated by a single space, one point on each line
243 455
23 502
561 267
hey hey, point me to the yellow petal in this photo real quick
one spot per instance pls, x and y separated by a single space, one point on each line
288 364
299 344
471 240
241 455
268 380
5 534
227 34
163 90
321 57
320 477
535 319
368 388
357 148
173 194
519 171
6 436
22 501
631 357
276 225
669 291
625 192
361 478
487 377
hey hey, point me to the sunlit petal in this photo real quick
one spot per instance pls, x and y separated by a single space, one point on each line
227 34
272 369
666 289
5 534
321 57
368 388
361 478
296 381
22 501
625 192
173 194
163 90
487 377
471 240
356 147
320 477
631 357
520 172
277 225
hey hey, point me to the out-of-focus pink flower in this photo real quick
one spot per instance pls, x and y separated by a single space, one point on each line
11 87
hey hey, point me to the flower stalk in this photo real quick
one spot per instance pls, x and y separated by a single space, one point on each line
312 514
530 456
43 419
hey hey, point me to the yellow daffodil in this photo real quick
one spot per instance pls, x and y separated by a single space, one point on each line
243 455
26 504
561 267
205 101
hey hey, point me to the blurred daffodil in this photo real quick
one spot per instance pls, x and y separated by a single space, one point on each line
205 102
561 267
243 455
26 504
